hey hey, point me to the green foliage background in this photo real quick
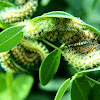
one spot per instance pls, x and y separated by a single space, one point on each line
89 12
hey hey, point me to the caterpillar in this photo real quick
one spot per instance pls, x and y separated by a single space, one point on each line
18 13
83 56
58 29
27 55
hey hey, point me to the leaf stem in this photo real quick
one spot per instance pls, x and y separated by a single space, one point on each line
92 80
50 44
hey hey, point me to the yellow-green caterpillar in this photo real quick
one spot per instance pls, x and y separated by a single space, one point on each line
18 13
27 55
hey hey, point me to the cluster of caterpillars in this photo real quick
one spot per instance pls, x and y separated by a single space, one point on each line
81 45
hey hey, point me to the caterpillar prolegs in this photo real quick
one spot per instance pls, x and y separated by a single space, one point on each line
18 13
27 55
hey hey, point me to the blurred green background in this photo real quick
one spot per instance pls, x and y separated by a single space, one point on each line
89 12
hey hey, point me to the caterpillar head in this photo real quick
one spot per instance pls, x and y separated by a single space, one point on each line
26 56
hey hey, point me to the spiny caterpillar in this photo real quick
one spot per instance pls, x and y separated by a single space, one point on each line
27 55
18 13
83 56
59 29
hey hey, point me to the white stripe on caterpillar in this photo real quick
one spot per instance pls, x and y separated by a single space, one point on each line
15 14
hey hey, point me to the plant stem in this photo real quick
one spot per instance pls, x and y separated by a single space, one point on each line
92 80
9 79
50 44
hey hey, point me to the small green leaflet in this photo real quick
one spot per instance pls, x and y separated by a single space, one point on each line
80 89
49 67
10 37
58 14
62 90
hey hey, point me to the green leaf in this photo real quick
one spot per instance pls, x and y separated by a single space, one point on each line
58 14
22 86
49 67
93 29
10 38
95 93
62 90
4 4
80 89
15 89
